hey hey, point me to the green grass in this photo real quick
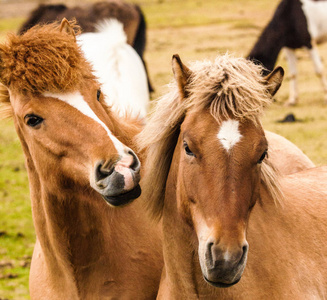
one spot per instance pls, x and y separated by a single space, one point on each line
176 13
196 30
9 25
16 229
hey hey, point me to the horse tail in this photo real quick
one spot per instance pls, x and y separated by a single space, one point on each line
40 14
140 42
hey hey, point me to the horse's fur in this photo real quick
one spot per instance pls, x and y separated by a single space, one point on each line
295 24
52 63
220 87
205 194
118 68
286 157
85 249
90 15
287 28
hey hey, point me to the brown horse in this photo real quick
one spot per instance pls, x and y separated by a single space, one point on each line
79 160
209 179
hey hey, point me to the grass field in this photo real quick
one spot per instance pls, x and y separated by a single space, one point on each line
194 29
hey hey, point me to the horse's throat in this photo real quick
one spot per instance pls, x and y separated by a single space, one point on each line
71 229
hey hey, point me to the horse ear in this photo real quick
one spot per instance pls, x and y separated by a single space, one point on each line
181 74
65 26
274 80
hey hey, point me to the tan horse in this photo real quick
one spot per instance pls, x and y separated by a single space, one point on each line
79 160
224 210
286 157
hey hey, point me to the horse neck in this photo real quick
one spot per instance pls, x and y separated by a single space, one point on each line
272 39
267 48
68 224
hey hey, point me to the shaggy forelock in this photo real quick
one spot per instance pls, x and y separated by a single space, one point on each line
42 59
229 87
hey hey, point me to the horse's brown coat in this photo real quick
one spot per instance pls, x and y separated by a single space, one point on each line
85 249
206 194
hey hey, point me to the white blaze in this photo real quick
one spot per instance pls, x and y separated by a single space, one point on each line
229 134
77 101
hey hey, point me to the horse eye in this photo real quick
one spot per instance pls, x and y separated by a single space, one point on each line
263 156
187 149
98 94
33 120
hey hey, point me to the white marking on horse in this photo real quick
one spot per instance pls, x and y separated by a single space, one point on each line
227 255
228 134
77 101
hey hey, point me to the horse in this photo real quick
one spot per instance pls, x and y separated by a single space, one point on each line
295 24
81 167
232 227
88 16
286 156
118 68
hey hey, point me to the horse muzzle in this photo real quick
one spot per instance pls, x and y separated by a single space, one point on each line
222 268
118 182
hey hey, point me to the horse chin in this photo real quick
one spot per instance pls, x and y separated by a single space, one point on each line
125 198
221 284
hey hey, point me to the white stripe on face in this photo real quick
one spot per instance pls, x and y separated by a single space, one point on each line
229 134
77 101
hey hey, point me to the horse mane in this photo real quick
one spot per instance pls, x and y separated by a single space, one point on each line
43 59
5 106
227 87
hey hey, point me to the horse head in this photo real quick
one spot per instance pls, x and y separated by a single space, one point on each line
206 162
70 138
221 147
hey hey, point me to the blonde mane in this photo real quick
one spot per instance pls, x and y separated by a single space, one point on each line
227 87
43 59
5 107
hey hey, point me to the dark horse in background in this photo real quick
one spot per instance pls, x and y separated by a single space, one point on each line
295 24
89 16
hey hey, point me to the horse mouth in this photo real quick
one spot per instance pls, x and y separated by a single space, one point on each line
221 284
124 198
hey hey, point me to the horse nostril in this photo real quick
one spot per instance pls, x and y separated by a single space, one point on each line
135 166
103 170
243 254
209 255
